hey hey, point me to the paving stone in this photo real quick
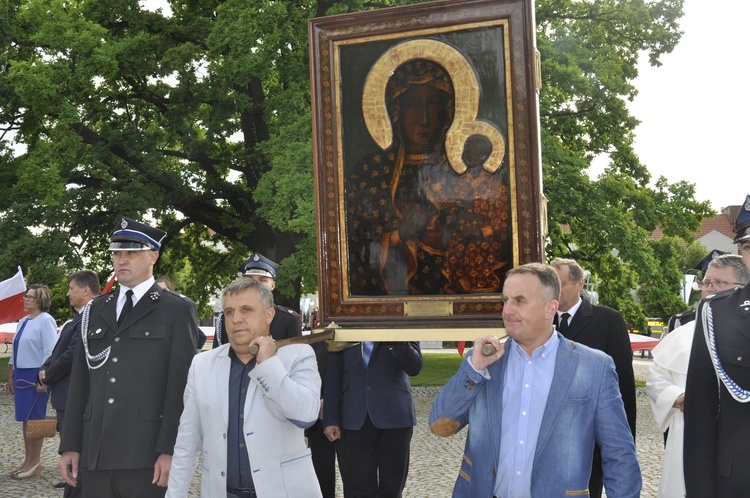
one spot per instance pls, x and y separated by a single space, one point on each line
434 461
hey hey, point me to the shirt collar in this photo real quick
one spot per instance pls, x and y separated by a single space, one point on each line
138 291
544 350
573 309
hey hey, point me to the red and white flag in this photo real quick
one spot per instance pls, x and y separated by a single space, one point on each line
11 298
110 284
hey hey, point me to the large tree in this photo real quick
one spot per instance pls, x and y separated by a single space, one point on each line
590 51
198 117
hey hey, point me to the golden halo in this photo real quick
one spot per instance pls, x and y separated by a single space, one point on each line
465 124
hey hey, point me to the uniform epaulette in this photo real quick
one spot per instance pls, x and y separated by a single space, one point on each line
722 294
287 310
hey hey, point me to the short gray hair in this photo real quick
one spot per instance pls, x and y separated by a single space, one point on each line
736 263
547 276
574 269
243 284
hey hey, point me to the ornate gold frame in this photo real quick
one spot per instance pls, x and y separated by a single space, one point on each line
391 36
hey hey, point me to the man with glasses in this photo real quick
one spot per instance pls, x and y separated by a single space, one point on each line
717 391
666 379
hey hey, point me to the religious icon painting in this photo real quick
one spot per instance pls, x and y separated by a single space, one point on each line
427 162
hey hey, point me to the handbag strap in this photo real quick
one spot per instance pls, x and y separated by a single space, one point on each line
33 405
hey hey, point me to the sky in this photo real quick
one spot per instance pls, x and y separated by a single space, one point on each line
695 110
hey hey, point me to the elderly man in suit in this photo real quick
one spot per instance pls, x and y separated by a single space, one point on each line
286 323
83 286
717 390
247 412
370 414
536 406
128 376
597 327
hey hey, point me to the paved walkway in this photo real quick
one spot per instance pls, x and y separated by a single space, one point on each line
434 461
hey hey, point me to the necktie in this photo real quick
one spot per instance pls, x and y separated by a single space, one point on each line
128 306
563 325
367 348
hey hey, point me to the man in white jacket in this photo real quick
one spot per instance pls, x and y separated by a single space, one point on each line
247 413
667 375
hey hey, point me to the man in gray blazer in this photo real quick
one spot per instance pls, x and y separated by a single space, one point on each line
246 412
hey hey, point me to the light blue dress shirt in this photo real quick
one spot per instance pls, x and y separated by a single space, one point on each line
527 383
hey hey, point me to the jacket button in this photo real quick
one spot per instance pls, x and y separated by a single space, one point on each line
112 380
114 360
117 339
146 334
111 400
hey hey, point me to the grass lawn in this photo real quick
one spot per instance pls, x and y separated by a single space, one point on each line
437 370
4 368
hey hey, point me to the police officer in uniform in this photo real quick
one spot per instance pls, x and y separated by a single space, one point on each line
717 420
128 376
286 323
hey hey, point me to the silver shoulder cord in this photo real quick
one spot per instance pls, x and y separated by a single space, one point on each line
104 355
707 318
219 327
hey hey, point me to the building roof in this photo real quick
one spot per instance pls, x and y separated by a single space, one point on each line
722 223
719 223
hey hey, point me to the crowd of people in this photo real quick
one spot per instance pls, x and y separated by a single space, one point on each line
550 411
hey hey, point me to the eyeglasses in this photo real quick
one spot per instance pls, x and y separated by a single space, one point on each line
704 284
28 296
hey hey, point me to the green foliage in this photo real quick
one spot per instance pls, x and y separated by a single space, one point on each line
200 121
589 53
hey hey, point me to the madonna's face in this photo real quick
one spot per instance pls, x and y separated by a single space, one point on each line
422 118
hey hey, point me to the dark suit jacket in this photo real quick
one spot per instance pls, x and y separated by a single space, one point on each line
286 323
381 389
717 427
125 413
603 328
58 366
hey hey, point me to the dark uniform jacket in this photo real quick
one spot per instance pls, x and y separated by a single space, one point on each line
603 328
125 413
679 320
286 323
58 366
717 427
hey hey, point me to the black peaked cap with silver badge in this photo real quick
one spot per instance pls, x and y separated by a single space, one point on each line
742 223
258 264
131 235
